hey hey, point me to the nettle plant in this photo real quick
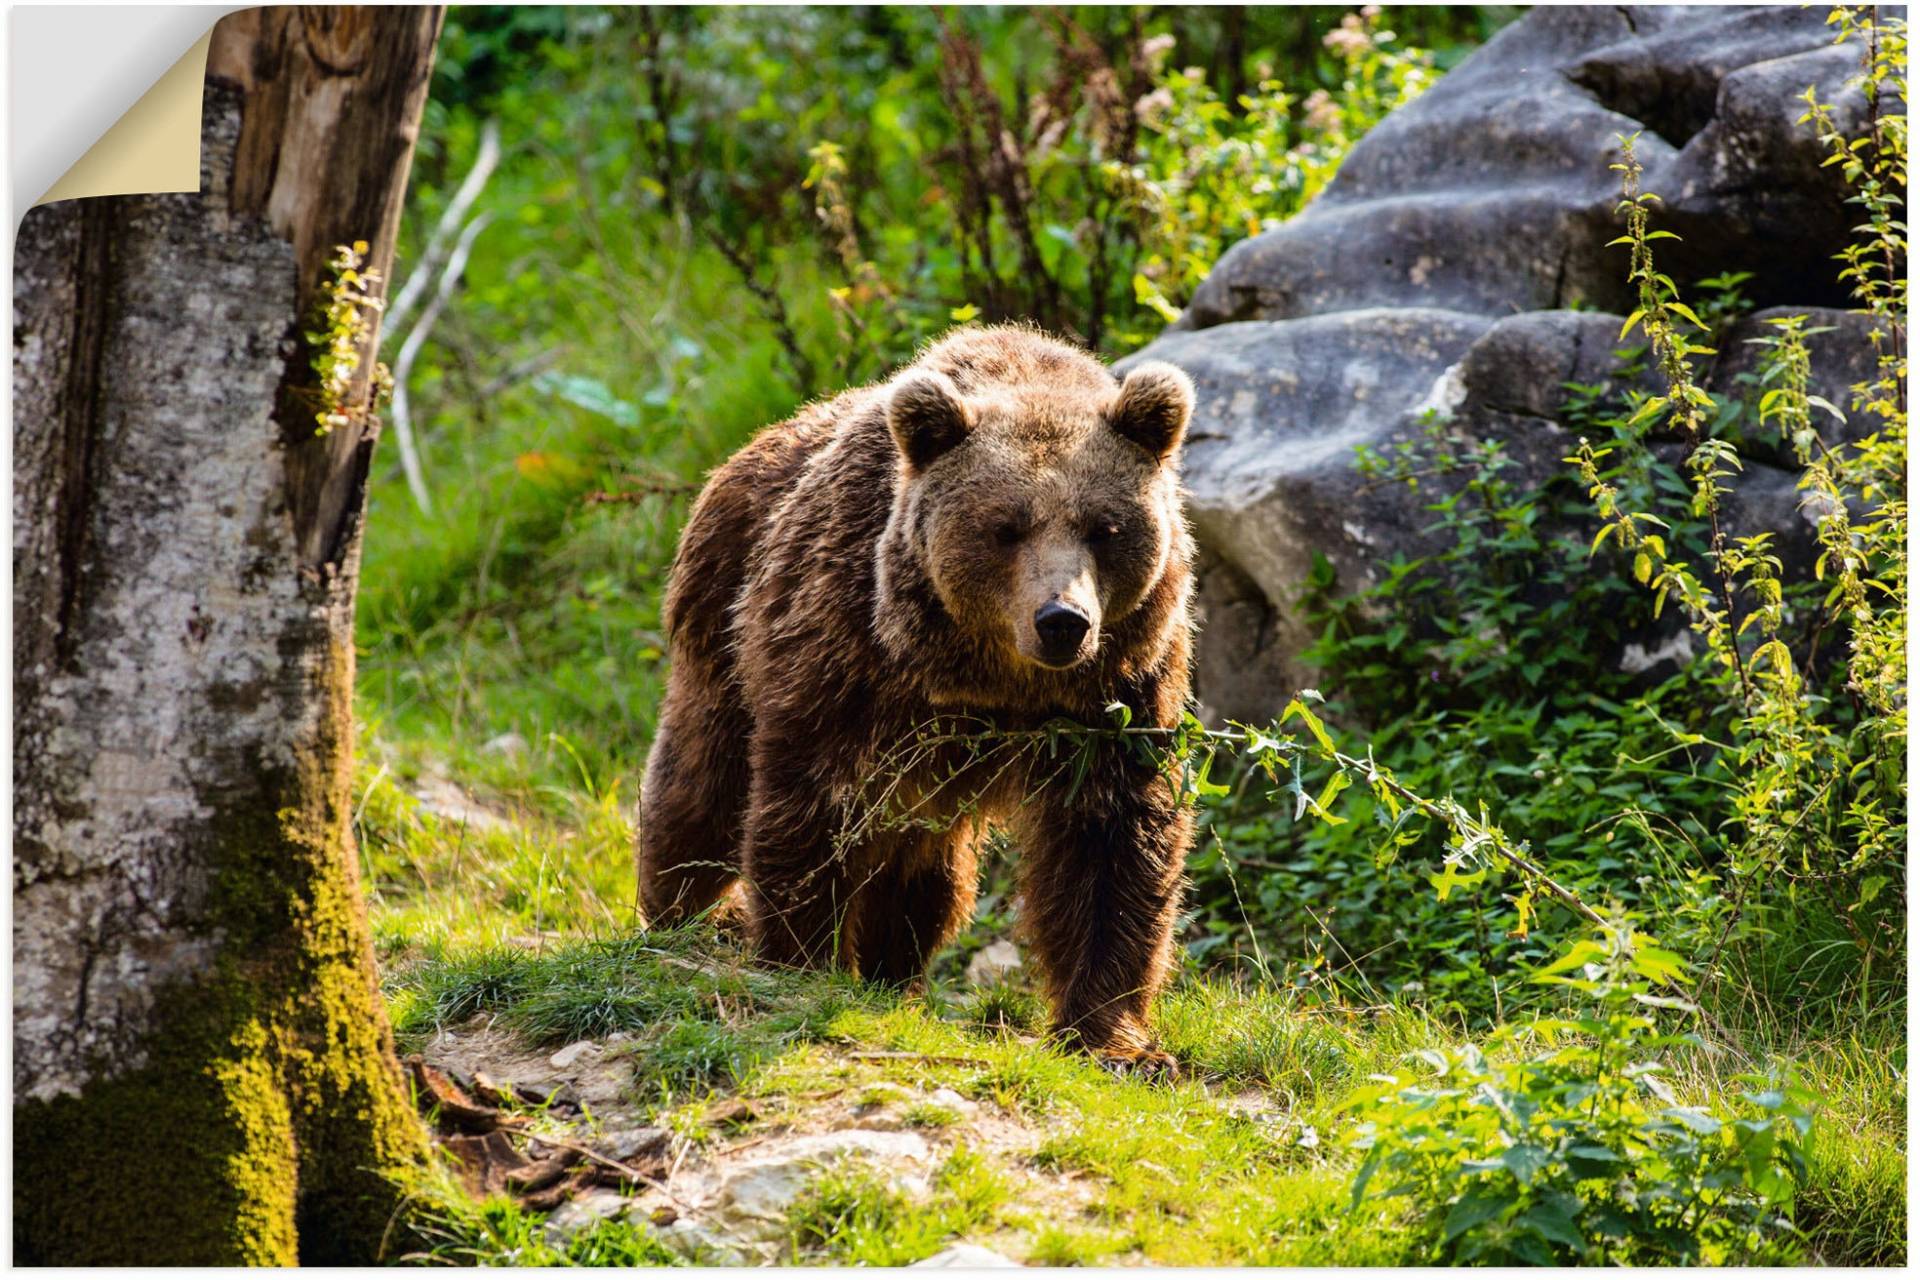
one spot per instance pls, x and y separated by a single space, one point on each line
1561 1143
1817 774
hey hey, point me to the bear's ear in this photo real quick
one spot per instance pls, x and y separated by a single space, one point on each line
1153 407
927 417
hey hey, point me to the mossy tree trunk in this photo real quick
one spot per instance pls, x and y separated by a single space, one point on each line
203 1071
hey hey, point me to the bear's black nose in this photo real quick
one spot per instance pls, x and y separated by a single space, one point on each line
1061 628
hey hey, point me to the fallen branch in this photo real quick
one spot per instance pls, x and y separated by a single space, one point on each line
891 1055
650 489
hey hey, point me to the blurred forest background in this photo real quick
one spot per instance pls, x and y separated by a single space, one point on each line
635 236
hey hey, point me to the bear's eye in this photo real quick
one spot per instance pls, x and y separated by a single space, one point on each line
1100 530
1009 532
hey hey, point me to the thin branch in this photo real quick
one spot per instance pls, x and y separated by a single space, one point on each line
450 221
772 306
410 351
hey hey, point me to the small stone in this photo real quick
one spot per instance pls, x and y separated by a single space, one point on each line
582 1212
700 1244
571 1054
629 1145
953 1101
993 962
732 1113
506 744
444 799
602 1089
966 1255
756 1197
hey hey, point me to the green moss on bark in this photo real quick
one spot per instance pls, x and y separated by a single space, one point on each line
268 1122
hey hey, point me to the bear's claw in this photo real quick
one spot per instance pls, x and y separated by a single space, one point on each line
1147 1064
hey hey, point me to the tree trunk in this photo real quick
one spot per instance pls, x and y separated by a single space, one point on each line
203 1071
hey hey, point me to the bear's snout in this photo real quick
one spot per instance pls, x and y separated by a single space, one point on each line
1060 629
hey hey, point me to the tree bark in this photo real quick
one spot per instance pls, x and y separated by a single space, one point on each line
203 1069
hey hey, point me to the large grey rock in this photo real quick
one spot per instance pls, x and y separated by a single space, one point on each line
1458 265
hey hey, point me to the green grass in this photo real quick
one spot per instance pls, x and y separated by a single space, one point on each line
1175 1177
447 1227
432 881
855 1217
529 926
700 1015
1853 1207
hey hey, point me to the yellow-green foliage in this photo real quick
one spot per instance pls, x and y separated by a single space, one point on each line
349 309
1209 175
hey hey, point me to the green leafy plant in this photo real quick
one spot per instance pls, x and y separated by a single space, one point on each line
1816 781
1098 209
1562 1143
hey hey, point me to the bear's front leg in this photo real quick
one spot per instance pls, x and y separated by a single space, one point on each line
1101 880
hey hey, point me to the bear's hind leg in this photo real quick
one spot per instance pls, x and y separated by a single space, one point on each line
915 904
694 797
797 884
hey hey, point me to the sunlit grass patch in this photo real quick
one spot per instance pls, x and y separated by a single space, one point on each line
1852 1206
855 1216
1260 1035
490 878
696 1014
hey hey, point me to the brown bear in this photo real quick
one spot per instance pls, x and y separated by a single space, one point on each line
994 537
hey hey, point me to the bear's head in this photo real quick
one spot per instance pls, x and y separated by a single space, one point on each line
1041 514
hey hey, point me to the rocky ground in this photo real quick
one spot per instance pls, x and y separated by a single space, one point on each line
718 1181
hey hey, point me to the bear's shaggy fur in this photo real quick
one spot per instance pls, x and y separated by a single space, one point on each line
996 533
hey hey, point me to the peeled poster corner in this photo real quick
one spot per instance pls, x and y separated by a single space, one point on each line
105 100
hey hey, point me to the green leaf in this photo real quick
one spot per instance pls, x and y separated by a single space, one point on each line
1525 1161
1318 730
1658 965
1474 1210
1552 1221
1824 404
1693 1118
1450 878
1202 786
1337 783
1580 954
1683 309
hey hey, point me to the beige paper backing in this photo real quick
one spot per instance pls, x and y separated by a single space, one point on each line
154 147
